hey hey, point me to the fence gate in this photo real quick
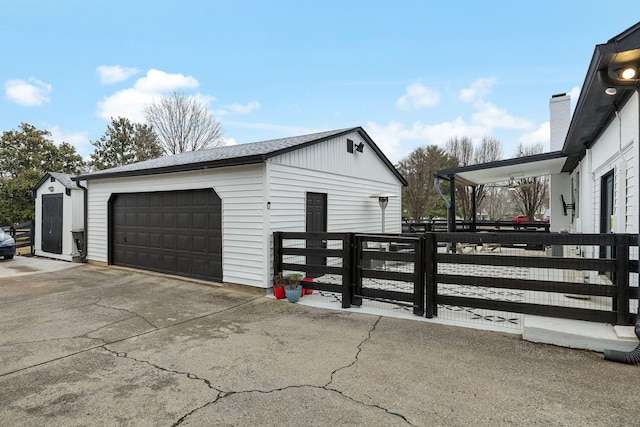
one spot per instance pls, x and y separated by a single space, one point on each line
390 269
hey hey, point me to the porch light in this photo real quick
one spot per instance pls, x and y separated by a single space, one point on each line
628 73
383 201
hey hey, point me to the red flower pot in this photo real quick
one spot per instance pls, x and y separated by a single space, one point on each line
308 290
279 293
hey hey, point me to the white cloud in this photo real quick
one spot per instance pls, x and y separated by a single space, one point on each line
478 90
230 141
130 102
80 140
490 116
28 93
542 135
418 96
158 81
394 139
244 109
115 73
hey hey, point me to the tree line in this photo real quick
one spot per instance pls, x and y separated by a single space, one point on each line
174 124
497 201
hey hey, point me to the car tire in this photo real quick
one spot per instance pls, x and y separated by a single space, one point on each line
8 257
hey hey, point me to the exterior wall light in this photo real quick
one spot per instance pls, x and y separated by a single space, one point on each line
610 91
628 73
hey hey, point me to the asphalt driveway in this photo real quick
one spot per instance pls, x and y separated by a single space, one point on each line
87 345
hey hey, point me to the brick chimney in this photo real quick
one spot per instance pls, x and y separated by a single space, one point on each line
559 119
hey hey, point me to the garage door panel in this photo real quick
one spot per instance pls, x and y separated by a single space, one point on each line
130 219
169 262
168 199
155 240
169 241
143 219
169 219
176 232
183 220
142 258
184 243
142 239
200 221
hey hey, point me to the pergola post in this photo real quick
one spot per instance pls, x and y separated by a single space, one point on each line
451 216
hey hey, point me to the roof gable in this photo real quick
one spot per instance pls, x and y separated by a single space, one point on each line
63 178
235 155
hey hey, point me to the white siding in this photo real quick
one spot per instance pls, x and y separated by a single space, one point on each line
240 189
616 149
331 156
349 205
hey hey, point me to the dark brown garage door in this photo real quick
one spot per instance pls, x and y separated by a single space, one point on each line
174 232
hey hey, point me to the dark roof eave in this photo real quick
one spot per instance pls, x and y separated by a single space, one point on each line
446 173
237 161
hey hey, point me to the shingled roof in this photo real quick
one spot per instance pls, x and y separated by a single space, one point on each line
63 178
234 155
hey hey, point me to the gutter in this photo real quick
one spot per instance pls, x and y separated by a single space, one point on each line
85 237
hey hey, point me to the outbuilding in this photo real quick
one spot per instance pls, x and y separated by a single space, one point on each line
59 216
211 214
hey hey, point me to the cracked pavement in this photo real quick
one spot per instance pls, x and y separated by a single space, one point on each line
88 345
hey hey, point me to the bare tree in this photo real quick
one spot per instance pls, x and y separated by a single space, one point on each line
531 194
183 124
497 203
489 149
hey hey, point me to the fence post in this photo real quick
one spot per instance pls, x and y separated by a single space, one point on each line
347 270
277 252
418 277
429 260
32 230
622 242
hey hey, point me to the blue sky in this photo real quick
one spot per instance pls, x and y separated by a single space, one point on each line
410 72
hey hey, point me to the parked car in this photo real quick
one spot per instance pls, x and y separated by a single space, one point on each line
520 219
7 245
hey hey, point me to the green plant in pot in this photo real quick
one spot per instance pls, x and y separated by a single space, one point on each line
293 288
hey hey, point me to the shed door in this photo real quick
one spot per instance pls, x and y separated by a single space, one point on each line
316 214
173 232
52 223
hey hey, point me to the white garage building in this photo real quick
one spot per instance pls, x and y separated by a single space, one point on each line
211 214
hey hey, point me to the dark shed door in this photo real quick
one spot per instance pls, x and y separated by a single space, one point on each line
52 223
173 232
316 216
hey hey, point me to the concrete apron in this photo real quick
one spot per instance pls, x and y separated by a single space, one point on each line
89 345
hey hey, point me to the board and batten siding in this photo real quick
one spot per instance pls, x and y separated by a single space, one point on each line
348 179
241 191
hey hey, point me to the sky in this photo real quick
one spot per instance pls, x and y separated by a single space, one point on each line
411 73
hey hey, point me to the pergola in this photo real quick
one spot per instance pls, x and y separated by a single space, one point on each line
498 171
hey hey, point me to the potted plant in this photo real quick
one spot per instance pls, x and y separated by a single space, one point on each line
293 288
279 283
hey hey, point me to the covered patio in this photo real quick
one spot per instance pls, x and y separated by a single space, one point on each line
495 172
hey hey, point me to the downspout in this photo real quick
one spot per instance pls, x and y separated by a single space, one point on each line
83 256
629 357
622 180
436 182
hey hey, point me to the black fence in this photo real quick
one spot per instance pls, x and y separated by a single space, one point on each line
549 273
440 225
24 235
